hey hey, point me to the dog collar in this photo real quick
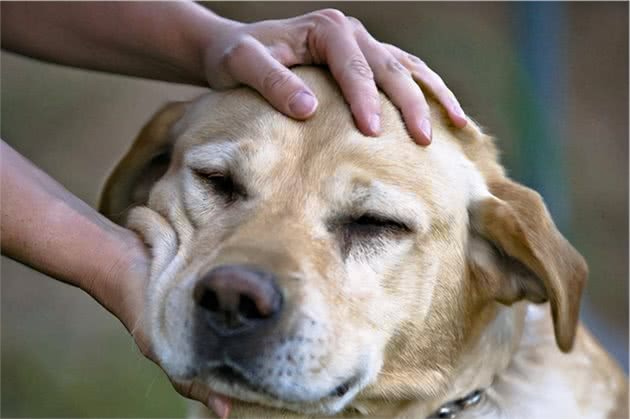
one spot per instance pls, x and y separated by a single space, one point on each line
451 409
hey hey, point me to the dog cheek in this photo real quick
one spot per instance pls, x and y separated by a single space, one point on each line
178 324
375 282
157 234
171 326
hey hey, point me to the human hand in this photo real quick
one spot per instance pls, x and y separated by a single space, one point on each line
46 227
185 42
124 297
258 55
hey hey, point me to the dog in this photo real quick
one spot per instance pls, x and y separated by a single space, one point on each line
304 270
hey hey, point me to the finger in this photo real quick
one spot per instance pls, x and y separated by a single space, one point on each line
433 82
286 41
220 405
250 63
402 90
350 68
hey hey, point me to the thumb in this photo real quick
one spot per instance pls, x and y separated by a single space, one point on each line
221 405
253 65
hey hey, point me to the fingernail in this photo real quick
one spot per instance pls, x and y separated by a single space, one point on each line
375 124
220 406
458 111
425 128
303 104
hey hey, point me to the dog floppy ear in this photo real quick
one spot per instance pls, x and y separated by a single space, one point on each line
517 252
144 164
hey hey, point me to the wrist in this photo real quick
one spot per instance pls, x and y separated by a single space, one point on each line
47 228
121 285
202 33
211 38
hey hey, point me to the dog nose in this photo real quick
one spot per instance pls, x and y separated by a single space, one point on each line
235 299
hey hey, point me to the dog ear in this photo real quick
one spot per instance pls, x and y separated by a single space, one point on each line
517 253
144 164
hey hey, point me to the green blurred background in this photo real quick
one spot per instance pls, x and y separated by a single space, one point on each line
550 80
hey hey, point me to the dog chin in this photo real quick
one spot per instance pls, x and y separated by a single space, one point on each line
328 403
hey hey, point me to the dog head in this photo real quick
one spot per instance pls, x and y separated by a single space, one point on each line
299 264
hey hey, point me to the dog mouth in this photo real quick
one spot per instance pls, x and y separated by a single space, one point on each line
235 378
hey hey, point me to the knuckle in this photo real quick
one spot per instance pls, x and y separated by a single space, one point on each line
417 103
355 23
240 49
415 60
389 46
394 66
183 388
332 15
198 391
357 65
392 50
371 99
437 82
146 351
276 79
193 390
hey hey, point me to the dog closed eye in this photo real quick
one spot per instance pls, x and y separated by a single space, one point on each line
369 225
367 231
222 184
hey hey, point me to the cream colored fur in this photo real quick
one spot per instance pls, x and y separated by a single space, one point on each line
422 316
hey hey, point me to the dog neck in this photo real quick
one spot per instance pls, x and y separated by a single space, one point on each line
487 357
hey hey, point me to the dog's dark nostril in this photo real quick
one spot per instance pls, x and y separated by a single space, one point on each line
236 298
209 300
248 309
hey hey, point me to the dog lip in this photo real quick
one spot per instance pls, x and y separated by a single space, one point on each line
342 390
234 377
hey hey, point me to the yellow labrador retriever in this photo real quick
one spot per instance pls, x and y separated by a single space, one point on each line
306 270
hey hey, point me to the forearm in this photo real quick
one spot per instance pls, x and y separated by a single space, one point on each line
47 228
160 40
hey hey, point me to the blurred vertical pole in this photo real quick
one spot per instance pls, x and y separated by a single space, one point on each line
540 30
541 40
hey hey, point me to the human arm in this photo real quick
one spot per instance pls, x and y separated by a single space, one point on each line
184 42
49 229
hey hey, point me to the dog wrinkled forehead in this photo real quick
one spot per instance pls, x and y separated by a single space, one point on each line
275 153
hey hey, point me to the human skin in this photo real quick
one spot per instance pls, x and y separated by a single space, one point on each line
184 42
46 227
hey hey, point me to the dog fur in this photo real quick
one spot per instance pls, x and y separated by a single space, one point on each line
470 285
